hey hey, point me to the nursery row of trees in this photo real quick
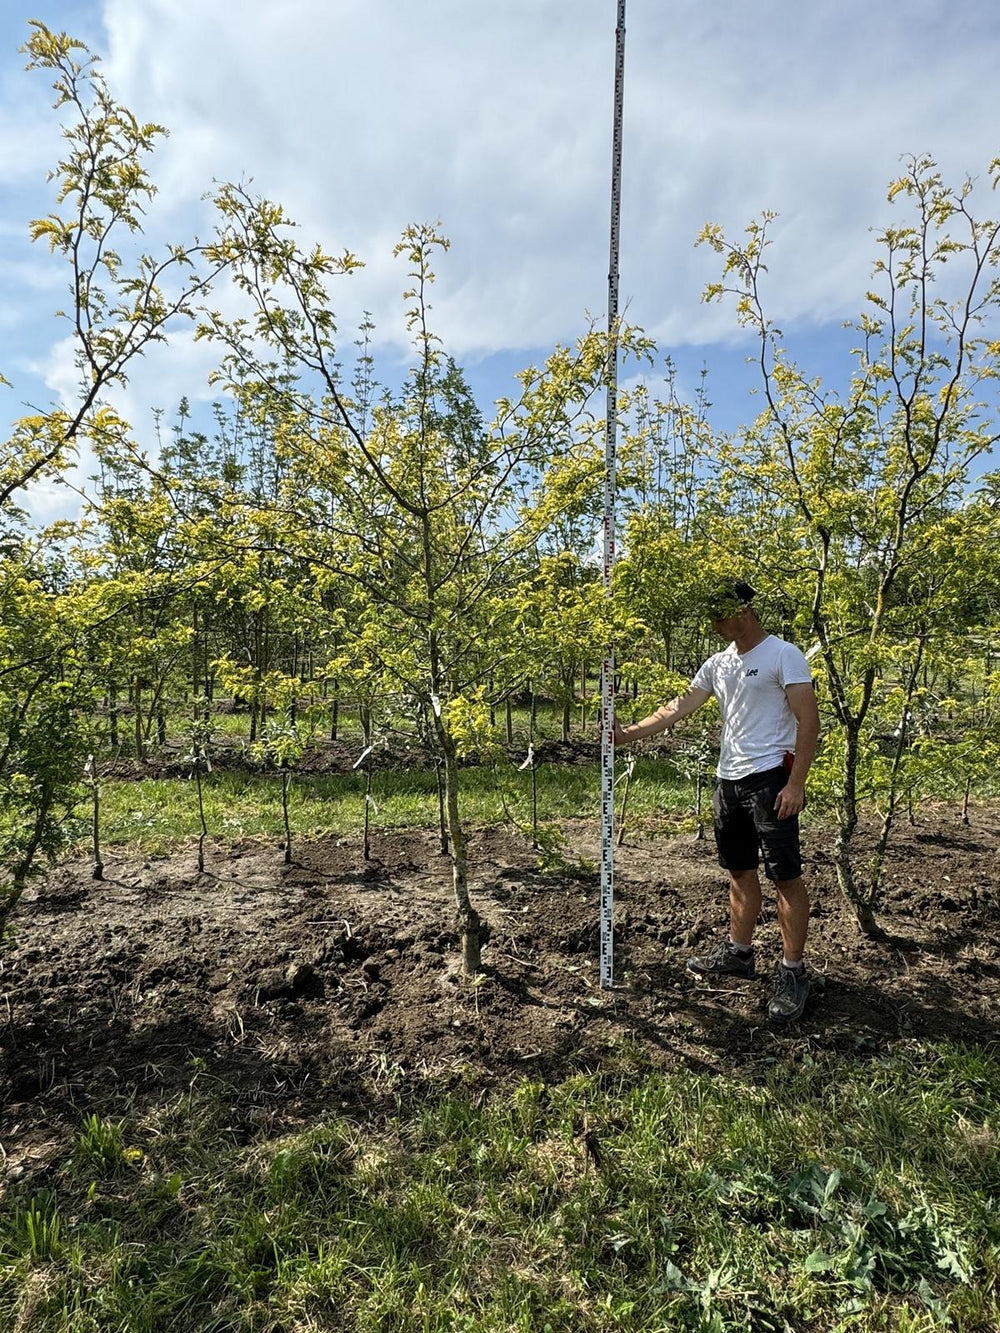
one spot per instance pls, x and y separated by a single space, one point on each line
329 541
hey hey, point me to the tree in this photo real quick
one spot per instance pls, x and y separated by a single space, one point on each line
415 505
855 506
50 649
117 309
39 741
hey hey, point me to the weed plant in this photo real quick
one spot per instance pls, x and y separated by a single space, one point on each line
826 1195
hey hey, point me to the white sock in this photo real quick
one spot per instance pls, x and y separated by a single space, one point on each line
793 967
740 948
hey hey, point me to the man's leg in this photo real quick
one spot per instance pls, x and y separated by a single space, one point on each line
793 917
791 980
779 840
744 905
736 840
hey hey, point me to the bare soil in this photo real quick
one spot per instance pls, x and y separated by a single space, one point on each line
332 983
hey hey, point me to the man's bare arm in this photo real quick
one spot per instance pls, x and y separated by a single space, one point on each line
802 701
665 717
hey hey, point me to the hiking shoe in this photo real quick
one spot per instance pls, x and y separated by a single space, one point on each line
791 990
723 961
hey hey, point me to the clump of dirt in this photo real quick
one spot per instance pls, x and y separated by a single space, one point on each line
332 982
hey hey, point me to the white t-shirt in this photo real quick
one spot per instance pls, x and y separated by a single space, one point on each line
758 726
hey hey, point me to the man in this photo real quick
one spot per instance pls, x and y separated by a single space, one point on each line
770 726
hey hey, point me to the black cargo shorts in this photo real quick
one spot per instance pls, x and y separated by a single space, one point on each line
747 826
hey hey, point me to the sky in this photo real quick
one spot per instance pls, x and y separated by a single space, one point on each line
495 118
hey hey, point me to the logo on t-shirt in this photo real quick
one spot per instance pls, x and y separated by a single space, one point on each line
752 671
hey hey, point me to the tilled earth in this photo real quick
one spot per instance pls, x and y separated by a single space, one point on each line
333 983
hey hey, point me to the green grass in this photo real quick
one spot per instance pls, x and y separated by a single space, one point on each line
152 814
829 1195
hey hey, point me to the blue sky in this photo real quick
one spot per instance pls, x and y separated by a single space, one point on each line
361 116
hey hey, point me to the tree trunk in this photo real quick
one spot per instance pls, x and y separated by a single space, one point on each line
195 667
902 740
286 780
442 815
473 929
113 715
21 868
367 846
534 771
201 815
95 823
293 707
140 748
534 805
847 824
629 769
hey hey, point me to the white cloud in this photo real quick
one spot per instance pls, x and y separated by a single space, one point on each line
363 115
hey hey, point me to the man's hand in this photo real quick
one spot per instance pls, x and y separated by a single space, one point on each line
791 800
620 737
